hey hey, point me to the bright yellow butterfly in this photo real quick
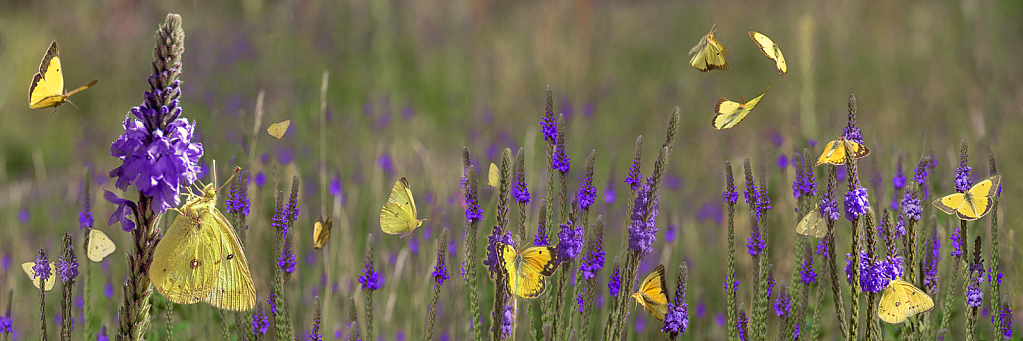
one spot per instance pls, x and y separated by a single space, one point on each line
729 113
200 258
973 204
834 152
652 293
528 270
771 50
321 232
709 54
100 246
494 176
27 266
811 225
398 216
47 89
278 129
902 300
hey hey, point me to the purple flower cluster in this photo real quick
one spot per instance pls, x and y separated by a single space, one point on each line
963 182
67 267
614 283
570 242
931 260
677 318
41 269
974 297
899 179
856 203
541 238
493 252
237 197
911 206
579 302
588 193
286 261
560 161
806 274
507 317
806 182
440 272
473 212
755 243
634 179
335 187
740 324
370 279
594 261
260 322
519 189
280 219
641 233
874 276
783 303
549 127
6 327
85 216
852 133
1005 317
956 250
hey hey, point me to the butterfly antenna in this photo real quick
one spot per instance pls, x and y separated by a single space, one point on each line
713 28
236 170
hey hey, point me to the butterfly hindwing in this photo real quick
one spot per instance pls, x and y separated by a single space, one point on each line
810 225
902 300
233 289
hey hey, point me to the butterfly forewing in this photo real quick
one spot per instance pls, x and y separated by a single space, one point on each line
652 293
810 225
100 246
321 232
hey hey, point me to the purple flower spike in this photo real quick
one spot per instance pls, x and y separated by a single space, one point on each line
125 208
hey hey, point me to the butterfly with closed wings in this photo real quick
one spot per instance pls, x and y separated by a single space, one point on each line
27 267
810 225
771 50
652 293
47 89
398 216
199 259
100 246
902 300
278 129
321 232
972 204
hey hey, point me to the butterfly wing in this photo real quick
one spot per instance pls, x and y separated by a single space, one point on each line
47 89
709 54
233 289
187 260
834 153
810 225
100 246
509 257
27 267
653 292
729 113
892 307
856 150
321 232
494 176
950 203
770 49
916 300
277 130
980 199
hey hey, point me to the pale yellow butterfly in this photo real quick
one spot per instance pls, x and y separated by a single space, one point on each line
902 300
974 203
652 293
278 129
200 258
709 54
812 225
494 176
47 89
771 50
321 232
398 216
100 246
528 270
729 113
27 266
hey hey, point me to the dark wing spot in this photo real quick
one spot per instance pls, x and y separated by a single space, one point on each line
898 304
230 256
195 263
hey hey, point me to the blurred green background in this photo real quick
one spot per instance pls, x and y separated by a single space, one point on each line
412 82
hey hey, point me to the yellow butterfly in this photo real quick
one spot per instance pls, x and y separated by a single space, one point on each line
834 152
652 293
528 270
771 50
47 89
495 176
729 113
200 258
27 266
709 54
100 246
811 225
278 129
321 232
973 204
902 300
398 216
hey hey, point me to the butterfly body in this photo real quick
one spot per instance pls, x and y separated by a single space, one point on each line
199 259
972 204
527 271
652 293
771 50
709 54
729 113
398 216
835 152
902 300
47 88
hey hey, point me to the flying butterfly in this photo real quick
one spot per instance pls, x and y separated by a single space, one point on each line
974 203
321 232
709 54
810 225
729 113
27 266
398 216
494 177
528 270
902 300
771 50
47 89
652 293
834 152
100 246
278 129
199 258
